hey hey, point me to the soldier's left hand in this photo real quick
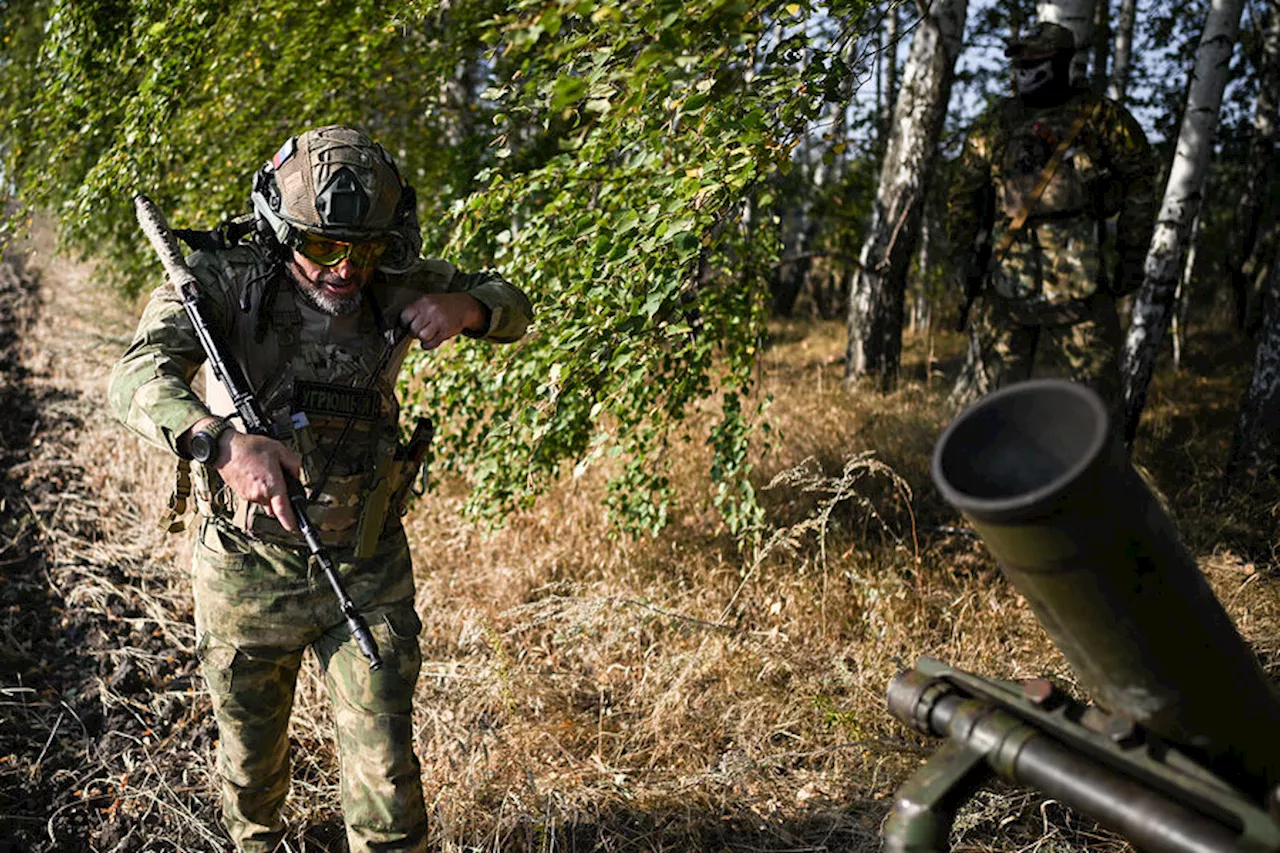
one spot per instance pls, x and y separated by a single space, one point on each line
437 317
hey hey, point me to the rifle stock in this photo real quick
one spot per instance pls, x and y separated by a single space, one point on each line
1181 753
227 371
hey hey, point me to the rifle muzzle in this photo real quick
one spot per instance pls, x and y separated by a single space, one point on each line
1036 469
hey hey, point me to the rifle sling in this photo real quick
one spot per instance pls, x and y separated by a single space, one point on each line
1046 176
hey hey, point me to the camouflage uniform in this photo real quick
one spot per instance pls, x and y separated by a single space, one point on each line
260 599
1052 294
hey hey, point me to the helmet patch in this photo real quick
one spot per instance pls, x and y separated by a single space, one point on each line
285 152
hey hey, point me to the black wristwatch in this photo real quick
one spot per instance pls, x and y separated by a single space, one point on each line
206 442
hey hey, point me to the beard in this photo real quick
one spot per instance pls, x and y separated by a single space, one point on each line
315 292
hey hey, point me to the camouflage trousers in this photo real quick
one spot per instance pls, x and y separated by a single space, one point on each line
258 607
1003 351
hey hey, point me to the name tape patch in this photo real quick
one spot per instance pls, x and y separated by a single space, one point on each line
317 398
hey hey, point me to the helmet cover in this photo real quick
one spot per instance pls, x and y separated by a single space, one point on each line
1041 42
337 182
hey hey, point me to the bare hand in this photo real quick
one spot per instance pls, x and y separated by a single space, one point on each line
437 317
254 467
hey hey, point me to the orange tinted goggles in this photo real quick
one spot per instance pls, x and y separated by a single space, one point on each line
328 252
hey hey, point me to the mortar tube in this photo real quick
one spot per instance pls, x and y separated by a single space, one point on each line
1036 470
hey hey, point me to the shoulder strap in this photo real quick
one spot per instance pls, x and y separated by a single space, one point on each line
228 233
1046 175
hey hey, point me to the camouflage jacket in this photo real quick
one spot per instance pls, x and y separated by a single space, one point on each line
311 372
1107 171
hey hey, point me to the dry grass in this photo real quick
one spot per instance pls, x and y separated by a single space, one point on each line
585 692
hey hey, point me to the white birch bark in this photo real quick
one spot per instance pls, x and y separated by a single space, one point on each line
922 309
1122 50
889 62
875 316
1178 210
1182 297
1077 16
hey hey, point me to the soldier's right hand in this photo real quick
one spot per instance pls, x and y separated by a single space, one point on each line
254 469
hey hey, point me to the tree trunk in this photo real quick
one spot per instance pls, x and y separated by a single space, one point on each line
1256 448
1182 297
1122 50
921 308
797 230
889 64
1178 210
1101 43
1253 216
879 287
1077 16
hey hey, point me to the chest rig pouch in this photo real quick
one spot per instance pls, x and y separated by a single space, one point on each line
314 385
1046 265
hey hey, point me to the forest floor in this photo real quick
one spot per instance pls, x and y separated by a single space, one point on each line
580 691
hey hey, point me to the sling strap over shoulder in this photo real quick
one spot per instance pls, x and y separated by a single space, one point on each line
1046 176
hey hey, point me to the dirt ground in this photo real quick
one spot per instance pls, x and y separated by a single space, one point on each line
96 670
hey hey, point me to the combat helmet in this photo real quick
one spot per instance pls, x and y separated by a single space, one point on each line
1042 41
337 182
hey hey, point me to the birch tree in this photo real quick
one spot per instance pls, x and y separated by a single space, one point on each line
1182 296
1122 50
617 154
887 80
1077 16
879 288
1101 44
1178 210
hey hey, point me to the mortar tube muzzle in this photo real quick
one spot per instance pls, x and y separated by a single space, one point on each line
1039 473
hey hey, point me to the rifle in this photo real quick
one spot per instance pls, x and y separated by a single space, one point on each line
227 370
1180 752
976 279
979 255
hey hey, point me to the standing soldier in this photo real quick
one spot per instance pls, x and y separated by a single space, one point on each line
1040 177
309 306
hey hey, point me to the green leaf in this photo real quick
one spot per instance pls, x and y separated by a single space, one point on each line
566 91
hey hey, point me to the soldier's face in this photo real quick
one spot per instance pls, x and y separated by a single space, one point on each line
335 290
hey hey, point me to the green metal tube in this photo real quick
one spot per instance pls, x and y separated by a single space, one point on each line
1036 470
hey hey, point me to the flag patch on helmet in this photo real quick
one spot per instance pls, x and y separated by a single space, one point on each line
285 152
